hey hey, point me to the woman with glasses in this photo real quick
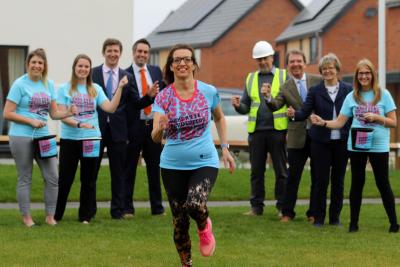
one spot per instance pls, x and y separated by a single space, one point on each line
374 113
328 147
30 100
189 161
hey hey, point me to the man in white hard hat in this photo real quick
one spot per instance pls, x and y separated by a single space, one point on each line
267 129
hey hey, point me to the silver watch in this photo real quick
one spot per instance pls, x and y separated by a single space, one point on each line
224 146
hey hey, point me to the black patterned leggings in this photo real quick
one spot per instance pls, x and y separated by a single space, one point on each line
188 191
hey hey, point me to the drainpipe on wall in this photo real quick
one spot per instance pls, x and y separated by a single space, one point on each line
319 41
381 43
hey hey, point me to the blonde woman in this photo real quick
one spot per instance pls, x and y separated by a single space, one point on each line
30 100
373 112
80 136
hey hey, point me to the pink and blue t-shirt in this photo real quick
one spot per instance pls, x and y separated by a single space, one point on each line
381 134
33 99
189 144
87 110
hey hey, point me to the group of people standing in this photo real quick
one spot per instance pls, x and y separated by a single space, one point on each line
99 107
108 107
293 115
304 116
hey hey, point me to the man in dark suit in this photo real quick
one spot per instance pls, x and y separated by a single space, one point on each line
147 81
114 127
293 93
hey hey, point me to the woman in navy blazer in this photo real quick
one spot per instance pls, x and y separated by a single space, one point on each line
328 147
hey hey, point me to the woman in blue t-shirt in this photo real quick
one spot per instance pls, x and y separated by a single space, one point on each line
30 100
374 112
189 161
80 136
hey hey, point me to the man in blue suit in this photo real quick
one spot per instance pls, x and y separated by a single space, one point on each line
147 81
114 127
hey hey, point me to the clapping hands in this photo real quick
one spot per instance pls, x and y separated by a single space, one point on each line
154 89
266 90
290 112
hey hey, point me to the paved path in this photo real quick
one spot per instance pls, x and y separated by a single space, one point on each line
146 204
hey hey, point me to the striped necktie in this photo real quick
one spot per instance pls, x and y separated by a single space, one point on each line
109 85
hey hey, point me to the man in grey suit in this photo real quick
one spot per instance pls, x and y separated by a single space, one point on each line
293 93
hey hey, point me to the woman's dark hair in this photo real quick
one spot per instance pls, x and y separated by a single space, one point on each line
168 74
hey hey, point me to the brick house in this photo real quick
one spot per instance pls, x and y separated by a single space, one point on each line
348 28
223 34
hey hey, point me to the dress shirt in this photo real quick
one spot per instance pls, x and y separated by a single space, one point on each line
303 80
136 71
332 92
115 73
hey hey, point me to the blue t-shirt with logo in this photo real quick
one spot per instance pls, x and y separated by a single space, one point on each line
87 110
189 144
33 99
381 134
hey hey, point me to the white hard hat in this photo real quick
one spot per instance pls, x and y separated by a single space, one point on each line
262 49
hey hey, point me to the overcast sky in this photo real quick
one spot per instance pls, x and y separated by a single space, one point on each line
150 13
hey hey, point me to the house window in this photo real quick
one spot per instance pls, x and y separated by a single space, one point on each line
197 55
154 58
313 50
276 59
12 65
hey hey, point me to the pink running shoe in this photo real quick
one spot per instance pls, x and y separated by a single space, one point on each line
207 240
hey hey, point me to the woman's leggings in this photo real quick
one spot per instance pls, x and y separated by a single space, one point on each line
188 191
380 167
22 149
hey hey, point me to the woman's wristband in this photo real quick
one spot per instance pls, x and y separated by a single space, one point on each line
325 123
78 125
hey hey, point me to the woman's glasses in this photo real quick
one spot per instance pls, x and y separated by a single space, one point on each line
361 74
178 60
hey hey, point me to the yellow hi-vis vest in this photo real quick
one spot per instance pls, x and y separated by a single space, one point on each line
280 118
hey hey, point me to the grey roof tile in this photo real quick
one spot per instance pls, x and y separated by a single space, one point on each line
186 19
208 30
324 18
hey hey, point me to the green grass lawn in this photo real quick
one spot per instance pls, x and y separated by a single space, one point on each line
241 241
227 187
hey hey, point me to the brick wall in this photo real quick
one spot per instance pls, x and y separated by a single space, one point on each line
227 63
393 39
354 36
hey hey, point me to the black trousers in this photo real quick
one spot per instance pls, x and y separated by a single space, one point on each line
297 158
380 166
151 153
70 155
260 144
188 192
330 161
116 152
